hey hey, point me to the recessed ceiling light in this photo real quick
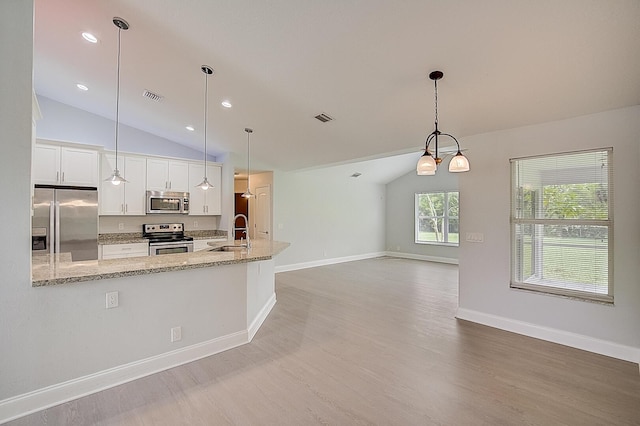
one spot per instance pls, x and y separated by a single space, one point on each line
89 37
190 128
82 87
226 104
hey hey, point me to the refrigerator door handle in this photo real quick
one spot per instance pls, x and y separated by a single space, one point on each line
57 237
51 236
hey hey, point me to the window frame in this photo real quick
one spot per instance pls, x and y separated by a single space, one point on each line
547 288
445 218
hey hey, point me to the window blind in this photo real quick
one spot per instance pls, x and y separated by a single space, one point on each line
562 224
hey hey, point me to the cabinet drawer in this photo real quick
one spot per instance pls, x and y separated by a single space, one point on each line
114 251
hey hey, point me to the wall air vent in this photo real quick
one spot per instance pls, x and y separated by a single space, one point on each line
153 96
323 117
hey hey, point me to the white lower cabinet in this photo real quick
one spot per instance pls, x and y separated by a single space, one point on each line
205 202
119 251
127 198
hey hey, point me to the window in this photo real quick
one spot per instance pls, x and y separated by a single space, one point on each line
437 218
562 224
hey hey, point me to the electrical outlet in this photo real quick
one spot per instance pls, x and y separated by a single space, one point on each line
176 334
195 223
112 300
120 226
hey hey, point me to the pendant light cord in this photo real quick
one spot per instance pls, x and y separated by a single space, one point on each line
206 107
118 96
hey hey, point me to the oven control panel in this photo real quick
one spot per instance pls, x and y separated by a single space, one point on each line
159 228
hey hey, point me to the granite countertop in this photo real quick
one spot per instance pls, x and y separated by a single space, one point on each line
136 237
59 271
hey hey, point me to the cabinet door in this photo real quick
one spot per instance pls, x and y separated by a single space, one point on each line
196 194
134 189
214 195
46 165
179 176
157 174
79 167
111 196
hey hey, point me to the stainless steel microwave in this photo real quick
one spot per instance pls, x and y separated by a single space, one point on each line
167 202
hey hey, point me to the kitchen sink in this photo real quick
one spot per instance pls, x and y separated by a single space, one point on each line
229 248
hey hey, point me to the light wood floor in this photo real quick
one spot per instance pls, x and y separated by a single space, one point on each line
372 342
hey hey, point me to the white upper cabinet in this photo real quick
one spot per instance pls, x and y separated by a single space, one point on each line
127 198
167 175
61 165
205 202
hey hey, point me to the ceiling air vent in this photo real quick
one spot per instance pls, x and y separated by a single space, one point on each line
323 117
153 96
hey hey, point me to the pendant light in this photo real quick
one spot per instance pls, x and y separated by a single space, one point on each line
115 177
428 163
248 193
207 70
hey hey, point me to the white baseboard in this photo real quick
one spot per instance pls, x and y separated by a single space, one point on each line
40 399
324 262
579 341
438 259
261 317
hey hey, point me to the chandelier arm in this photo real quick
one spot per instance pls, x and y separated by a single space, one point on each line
452 137
429 139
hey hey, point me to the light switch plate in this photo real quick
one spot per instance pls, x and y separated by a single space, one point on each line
475 237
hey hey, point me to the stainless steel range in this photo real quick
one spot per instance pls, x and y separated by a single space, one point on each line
167 238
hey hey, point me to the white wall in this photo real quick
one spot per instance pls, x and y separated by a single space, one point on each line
19 350
400 224
66 123
326 215
484 268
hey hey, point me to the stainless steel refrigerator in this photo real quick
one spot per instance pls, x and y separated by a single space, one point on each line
65 220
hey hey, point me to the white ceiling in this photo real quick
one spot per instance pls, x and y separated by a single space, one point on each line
363 62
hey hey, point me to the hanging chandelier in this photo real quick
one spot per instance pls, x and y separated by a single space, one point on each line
248 193
207 70
428 163
115 177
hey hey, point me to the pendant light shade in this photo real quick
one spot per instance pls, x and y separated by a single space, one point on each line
207 70
248 193
115 177
428 163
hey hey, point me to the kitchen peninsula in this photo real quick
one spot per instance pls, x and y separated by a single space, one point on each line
54 269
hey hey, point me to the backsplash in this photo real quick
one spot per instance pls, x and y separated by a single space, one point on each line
125 224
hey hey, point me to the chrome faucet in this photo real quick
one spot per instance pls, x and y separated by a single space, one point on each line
245 230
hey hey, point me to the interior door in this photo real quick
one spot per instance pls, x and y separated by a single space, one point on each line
263 213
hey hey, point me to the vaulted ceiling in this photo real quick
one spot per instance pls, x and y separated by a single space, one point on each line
363 62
